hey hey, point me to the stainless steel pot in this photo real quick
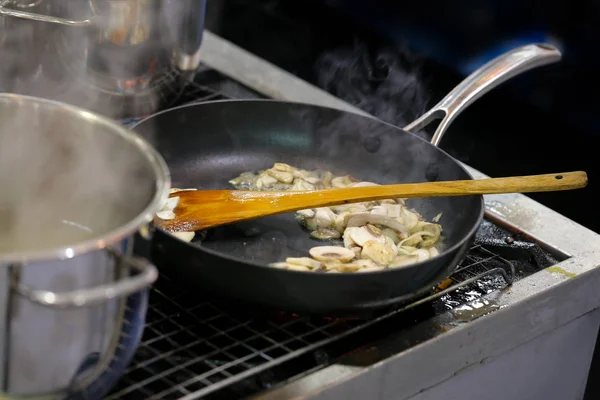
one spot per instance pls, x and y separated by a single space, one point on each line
120 58
76 187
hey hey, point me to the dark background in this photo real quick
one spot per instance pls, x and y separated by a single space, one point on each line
396 58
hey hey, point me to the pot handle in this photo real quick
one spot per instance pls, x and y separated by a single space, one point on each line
8 12
484 79
147 274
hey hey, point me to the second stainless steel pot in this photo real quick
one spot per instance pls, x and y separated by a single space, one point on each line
75 189
120 58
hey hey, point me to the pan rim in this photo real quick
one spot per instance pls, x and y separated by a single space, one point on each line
225 256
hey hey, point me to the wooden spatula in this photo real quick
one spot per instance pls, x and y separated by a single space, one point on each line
201 209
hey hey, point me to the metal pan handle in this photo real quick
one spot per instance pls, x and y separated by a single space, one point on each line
484 79
146 275
8 12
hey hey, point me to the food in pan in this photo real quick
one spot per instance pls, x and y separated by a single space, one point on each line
166 213
372 235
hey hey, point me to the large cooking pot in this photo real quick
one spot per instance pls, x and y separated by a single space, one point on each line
120 58
76 187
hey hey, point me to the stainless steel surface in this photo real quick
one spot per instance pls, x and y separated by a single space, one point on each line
533 306
484 79
146 274
186 33
44 348
17 13
99 52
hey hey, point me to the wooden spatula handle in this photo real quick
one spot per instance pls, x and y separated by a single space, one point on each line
207 208
516 184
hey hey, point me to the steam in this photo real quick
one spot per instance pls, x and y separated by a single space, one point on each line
388 84
65 177
119 71
385 83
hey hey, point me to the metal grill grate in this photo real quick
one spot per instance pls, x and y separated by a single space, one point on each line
198 348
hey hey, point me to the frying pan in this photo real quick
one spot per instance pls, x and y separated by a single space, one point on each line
206 145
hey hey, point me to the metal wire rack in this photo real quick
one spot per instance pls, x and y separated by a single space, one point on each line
191 350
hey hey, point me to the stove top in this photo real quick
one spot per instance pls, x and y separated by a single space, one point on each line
200 349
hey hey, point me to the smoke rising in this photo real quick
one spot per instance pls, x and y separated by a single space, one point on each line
67 178
118 66
64 177
384 82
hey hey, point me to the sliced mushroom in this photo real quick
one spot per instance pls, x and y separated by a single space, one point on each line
302 173
408 218
406 250
301 185
326 179
264 181
247 179
331 254
422 255
343 181
381 253
308 213
433 252
392 210
281 176
312 180
283 167
435 230
376 234
404 260
342 208
338 182
175 190
185 236
356 250
370 269
171 203
166 215
340 222
424 234
347 236
358 208
412 240
365 263
363 184
364 218
295 267
343 267
324 218
326 234
303 261
379 210
390 233
367 233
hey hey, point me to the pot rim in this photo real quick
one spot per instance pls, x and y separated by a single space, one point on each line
160 169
